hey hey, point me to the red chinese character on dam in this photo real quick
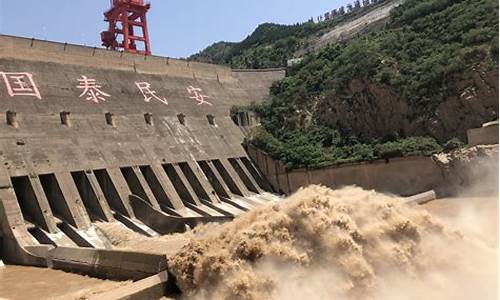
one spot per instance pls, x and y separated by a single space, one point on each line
20 84
197 94
148 93
91 89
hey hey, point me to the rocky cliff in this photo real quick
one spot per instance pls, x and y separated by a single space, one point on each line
376 110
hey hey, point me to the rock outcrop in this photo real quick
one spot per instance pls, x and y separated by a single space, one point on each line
372 110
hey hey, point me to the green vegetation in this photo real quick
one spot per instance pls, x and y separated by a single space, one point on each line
426 48
453 144
308 150
271 45
216 53
418 56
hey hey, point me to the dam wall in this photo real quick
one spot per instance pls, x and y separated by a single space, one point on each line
83 129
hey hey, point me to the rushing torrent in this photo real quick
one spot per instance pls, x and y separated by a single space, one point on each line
343 244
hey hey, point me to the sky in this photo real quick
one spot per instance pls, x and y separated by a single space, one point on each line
178 28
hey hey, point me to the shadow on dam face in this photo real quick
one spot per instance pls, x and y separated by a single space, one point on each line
241 173
179 185
193 181
88 196
155 186
227 177
134 183
56 199
214 181
110 192
28 201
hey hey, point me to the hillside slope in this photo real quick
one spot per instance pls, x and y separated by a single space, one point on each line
271 45
358 25
425 79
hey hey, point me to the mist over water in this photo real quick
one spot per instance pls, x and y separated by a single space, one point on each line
344 244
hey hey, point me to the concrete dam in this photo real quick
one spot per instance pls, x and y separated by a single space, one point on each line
91 135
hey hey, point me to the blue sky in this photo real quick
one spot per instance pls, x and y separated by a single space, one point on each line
178 28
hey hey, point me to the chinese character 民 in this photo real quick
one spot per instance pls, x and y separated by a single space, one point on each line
21 84
198 96
149 94
91 89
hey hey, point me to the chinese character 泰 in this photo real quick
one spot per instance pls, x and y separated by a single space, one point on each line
91 89
198 96
21 84
149 94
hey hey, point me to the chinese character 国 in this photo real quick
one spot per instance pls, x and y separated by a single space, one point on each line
20 84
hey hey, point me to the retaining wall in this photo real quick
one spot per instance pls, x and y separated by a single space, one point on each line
401 176
483 136
470 170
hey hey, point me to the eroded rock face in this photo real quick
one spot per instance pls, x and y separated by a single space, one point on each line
476 103
375 111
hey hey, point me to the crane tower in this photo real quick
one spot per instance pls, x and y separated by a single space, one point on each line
128 29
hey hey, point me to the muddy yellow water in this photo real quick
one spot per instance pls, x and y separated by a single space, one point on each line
445 249
36 283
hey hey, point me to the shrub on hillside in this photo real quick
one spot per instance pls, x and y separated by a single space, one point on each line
453 144
298 151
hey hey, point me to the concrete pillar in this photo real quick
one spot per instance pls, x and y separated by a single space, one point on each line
134 184
11 216
122 189
203 180
227 166
245 175
110 193
225 191
256 174
156 187
189 189
48 223
221 172
168 187
147 189
89 196
80 218
101 199
56 199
